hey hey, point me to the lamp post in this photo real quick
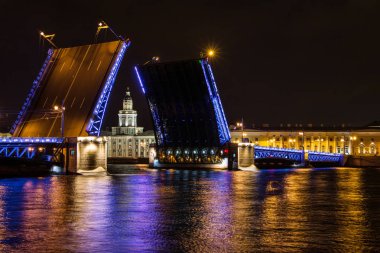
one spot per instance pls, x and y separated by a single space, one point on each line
302 140
241 125
352 140
61 110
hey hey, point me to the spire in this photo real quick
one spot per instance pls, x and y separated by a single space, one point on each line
127 116
127 102
128 94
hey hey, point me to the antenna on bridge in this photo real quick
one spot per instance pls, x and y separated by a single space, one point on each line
103 25
49 38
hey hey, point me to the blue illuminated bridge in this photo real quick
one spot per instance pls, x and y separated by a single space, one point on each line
190 126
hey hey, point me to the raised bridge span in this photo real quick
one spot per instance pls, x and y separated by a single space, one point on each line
189 122
78 81
78 78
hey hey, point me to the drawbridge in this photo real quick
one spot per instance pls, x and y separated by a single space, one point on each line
189 122
67 102
78 79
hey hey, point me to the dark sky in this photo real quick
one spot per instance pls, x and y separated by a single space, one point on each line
299 61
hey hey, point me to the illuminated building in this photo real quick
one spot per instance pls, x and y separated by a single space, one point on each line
129 140
127 118
357 141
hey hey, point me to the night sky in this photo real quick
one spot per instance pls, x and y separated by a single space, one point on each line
299 61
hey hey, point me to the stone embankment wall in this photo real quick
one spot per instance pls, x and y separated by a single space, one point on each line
363 161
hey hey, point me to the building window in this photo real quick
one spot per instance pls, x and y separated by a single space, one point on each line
361 148
373 149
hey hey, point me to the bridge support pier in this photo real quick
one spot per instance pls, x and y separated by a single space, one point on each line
91 154
246 156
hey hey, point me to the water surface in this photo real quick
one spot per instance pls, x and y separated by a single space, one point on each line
311 210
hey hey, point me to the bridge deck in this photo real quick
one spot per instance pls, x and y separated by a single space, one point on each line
74 77
184 103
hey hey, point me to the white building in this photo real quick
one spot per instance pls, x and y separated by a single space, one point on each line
128 140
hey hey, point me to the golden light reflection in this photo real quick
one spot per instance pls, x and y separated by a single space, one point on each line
351 215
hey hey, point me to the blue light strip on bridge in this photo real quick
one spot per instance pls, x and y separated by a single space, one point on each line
278 149
324 154
96 121
32 91
153 109
224 133
9 140
141 83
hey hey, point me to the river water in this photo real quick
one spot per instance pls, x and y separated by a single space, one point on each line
309 210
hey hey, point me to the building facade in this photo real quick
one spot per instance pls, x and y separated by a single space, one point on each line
363 141
128 140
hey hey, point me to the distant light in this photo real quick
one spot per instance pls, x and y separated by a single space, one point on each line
100 24
56 107
42 33
211 53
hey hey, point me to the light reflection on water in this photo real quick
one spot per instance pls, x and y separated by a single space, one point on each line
197 211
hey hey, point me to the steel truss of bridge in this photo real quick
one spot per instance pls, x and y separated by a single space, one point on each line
296 155
47 149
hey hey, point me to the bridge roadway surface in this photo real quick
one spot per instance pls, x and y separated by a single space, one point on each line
75 79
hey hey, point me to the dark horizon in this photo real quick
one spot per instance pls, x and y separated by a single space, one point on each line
277 62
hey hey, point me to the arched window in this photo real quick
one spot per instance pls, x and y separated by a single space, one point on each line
361 148
372 149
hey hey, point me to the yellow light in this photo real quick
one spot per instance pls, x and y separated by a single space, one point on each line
56 107
42 33
211 53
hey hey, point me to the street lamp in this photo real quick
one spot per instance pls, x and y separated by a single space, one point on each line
61 110
241 125
210 53
49 38
352 140
302 140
